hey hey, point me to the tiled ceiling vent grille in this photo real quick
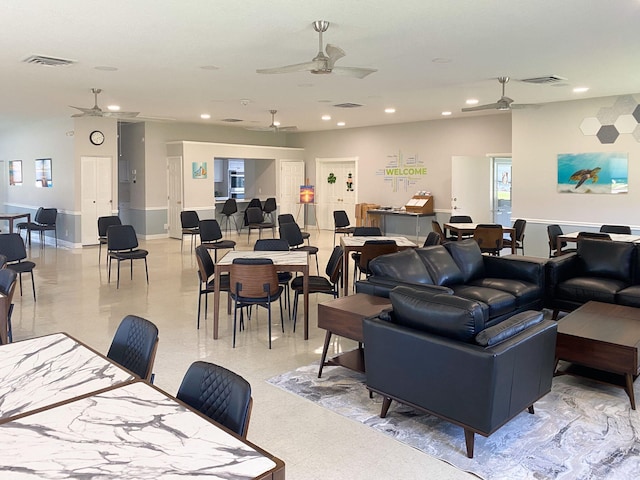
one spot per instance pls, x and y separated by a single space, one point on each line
545 80
47 61
347 105
231 120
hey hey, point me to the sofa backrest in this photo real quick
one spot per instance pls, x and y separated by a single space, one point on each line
468 258
442 269
439 314
604 258
404 266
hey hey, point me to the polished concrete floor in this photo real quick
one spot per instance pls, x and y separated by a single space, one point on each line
73 296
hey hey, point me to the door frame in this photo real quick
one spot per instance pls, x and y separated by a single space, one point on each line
175 231
321 185
93 239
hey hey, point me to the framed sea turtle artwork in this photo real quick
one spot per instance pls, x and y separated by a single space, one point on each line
600 172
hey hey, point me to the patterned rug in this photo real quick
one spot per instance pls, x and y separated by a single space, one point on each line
580 430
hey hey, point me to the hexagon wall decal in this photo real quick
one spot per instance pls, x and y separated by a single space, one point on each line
626 123
623 117
607 134
590 126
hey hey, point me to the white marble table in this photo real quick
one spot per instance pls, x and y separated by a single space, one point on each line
134 431
355 243
288 261
46 370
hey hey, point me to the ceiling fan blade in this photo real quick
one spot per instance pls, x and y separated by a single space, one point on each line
121 114
489 106
290 128
82 109
334 53
298 67
357 72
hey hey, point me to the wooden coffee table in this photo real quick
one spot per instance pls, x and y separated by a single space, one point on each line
343 316
604 337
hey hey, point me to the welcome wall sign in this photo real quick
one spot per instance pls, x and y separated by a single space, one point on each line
402 173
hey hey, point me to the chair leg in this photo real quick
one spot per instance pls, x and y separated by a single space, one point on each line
20 277
99 254
235 317
33 286
199 302
295 310
146 269
386 403
118 282
469 438
281 317
269 315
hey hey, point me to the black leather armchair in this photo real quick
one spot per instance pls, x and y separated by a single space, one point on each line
428 352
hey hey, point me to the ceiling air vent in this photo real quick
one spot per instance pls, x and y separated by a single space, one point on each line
347 105
48 61
231 120
544 80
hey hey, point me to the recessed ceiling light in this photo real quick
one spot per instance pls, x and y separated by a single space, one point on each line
105 68
205 116
276 123
341 124
580 89
209 67
446 114
113 108
326 117
472 101
390 110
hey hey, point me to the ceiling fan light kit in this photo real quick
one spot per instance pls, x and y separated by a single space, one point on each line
323 63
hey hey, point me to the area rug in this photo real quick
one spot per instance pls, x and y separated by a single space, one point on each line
580 430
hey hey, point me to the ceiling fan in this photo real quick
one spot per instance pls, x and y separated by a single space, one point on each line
322 63
96 111
504 103
275 126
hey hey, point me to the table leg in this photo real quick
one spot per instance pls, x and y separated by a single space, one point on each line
325 349
305 291
629 388
345 271
216 302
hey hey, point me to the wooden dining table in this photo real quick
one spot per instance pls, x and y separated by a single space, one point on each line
355 243
10 217
466 229
572 237
287 261
69 412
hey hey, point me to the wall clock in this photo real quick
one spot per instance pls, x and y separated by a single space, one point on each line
96 137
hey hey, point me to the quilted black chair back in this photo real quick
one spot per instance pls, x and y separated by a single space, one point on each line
134 345
218 393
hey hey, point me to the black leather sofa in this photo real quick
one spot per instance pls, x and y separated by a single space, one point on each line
430 351
600 270
503 286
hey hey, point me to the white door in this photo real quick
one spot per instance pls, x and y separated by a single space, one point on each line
96 195
174 195
291 177
471 184
339 195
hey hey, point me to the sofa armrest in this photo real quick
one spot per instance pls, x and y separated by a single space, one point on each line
465 383
527 269
381 286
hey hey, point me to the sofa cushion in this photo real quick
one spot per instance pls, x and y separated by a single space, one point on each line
508 328
629 296
603 258
583 289
440 265
468 258
524 292
500 303
404 265
438 314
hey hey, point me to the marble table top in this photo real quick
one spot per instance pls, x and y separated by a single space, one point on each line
353 241
42 371
134 431
278 257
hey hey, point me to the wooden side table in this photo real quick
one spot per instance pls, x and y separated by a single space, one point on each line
343 316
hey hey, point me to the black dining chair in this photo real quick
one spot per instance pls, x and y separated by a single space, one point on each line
218 393
328 284
44 221
461 219
206 270
433 238
341 224
12 247
553 232
253 203
489 237
134 346
519 226
288 218
229 209
255 219
254 281
370 250
291 233
189 221
103 224
278 245
362 232
594 235
269 207
122 244
620 229
8 280
211 237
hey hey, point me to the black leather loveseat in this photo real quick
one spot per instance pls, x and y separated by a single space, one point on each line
503 286
430 351
600 270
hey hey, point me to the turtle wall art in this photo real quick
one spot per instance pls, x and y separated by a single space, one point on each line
601 172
